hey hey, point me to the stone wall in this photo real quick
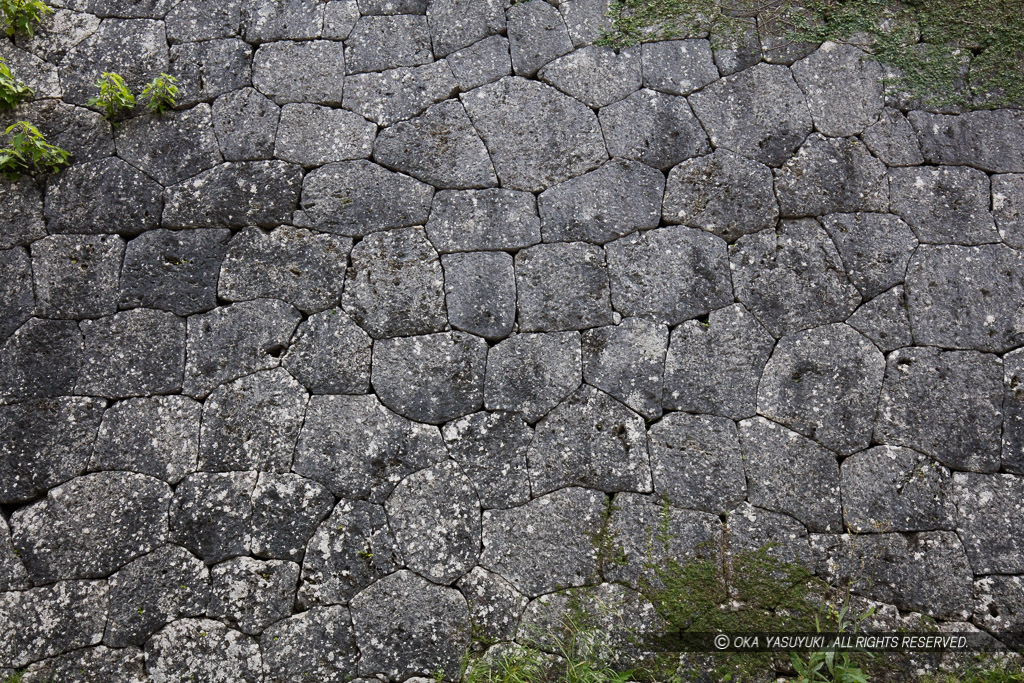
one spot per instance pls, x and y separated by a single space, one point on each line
354 354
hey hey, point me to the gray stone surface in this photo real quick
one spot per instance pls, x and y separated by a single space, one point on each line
987 506
759 112
330 354
172 147
252 423
481 63
318 643
715 367
205 650
398 94
843 87
657 129
236 340
358 197
875 249
893 140
696 462
494 605
210 68
752 528
944 204
669 274
83 132
528 154
134 48
989 140
678 67
385 42
304 268
724 193
235 195
12 571
562 286
395 284
430 378
1013 412
88 665
457 24
359 449
547 543
16 290
245 123
596 76
76 276
471 220
480 293
1008 207
831 175
614 200
158 436
884 320
824 384
312 135
21 209
999 605
536 36
267 20
250 594
107 196
627 361
491 448
793 278
300 71
41 359
591 440
210 514
585 19
439 147
286 510
947 404
90 526
194 20
50 620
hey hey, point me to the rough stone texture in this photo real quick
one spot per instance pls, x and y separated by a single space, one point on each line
21 210
76 610
107 196
250 594
1008 207
831 175
966 297
791 474
158 436
91 526
494 605
947 404
304 268
669 274
884 320
404 625
172 147
286 510
89 665
235 195
481 63
134 48
875 249
76 276
536 36
944 204
528 154
245 123
267 20
236 340
591 440
793 278
547 543
987 506
12 572
480 293
752 528
205 650
843 88
358 197
491 448
824 384
312 135
41 359
678 67
474 220
395 285
359 449
399 94
456 24
431 378
657 129
210 514
596 76
989 140
330 354
724 193
385 42
613 201
210 68
759 112
562 286
893 140
293 71
16 290
999 605
318 643
627 362
1013 412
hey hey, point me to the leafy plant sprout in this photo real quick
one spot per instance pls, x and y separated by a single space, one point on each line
29 152
160 94
114 96
12 91
21 16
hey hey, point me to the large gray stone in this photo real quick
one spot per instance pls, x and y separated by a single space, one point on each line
92 525
966 297
76 276
395 285
759 112
407 626
944 204
884 320
202 650
585 19
536 36
158 436
546 544
267 20
21 210
480 293
697 463
1008 207
791 474
398 94
793 278
456 24
245 123
529 153
63 30
82 132
252 423
893 140
133 353
210 68
312 135
172 147
752 529
300 71
196 20
304 268
875 249
532 373
1013 412
627 361
44 443
614 200
491 449
471 220
134 48
330 354
439 147
724 193
591 440
359 449
494 605
831 175
152 591
990 140
154 9
824 384
358 197
481 63
843 86
16 291
41 359
999 606
106 196
12 571
657 129
235 195
562 286
678 67
385 42
431 378
250 594
715 368
669 274
211 512
350 550
50 620
435 515
90 664
286 510
596 76
236 340
890 488
947 404
318 644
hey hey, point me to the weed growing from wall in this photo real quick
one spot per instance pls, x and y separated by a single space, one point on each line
114 96
29 152
21 16
160 94
12 91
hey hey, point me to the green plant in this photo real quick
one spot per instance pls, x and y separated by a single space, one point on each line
29 152
12 92
832 666
114 95
160 93
15 677
987 669
21 16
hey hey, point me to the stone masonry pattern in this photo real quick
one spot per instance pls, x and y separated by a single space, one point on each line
350 357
